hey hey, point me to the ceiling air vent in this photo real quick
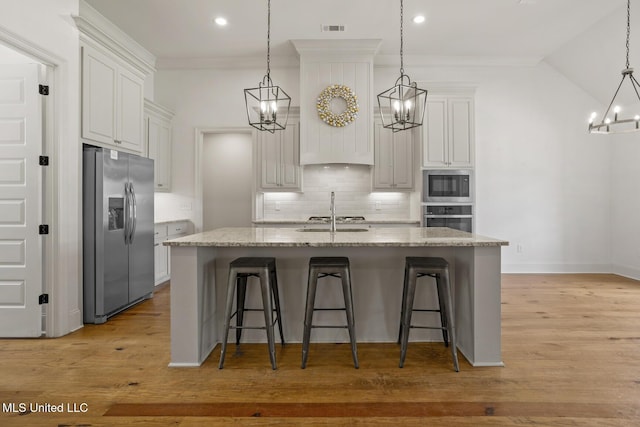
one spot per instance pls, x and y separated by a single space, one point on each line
333 28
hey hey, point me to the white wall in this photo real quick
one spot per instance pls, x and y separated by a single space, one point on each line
46 29
542 180
597 70
625 193
204 99
227 186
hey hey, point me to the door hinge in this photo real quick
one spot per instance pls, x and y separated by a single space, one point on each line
43 229
44 161
43 89
43 299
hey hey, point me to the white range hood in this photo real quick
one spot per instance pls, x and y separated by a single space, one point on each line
324 63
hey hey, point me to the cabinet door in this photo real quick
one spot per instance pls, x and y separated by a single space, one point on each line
383 150
99 75
130 110
159 140
279 158
394 159
290 157
403 160
161 259
460 114
269 149
435 138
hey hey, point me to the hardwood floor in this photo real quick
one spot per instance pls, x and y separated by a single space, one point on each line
571 346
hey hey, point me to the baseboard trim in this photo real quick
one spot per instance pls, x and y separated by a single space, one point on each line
558 268
626 271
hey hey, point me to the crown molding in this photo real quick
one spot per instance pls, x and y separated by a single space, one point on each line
228 62
96 27
157 109
379 61
456 61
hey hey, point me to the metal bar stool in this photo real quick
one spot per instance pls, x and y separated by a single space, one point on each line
240 270
320 267
438 268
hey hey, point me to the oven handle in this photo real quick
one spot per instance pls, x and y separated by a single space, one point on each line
448 216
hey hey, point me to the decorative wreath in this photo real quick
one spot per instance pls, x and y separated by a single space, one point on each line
324 105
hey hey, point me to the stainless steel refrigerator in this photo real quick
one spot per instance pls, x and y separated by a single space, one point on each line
117 231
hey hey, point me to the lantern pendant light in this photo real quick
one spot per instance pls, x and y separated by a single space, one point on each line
267 105
619 124
402 106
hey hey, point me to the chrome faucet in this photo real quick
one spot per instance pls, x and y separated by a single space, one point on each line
333 212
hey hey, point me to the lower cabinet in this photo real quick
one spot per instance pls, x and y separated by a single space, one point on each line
162 232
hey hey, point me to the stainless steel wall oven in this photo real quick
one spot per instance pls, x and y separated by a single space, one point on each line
459 217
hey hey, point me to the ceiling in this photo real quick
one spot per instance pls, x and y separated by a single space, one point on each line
173 29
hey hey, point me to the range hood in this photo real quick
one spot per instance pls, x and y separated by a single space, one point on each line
323 65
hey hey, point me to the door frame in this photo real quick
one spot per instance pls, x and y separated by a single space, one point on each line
199 167
56 323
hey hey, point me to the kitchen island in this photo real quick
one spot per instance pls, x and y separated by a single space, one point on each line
200 264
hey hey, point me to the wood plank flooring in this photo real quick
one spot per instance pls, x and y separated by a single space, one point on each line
571 347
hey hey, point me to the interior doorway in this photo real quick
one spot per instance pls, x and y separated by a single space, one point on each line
22 183
227 180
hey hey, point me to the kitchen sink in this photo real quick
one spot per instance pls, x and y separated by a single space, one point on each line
326 230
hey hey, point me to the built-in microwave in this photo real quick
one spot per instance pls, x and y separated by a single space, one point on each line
451 186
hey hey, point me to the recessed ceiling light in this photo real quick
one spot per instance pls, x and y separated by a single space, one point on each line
220 21
418 19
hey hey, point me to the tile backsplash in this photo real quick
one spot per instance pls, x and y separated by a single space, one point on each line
352 185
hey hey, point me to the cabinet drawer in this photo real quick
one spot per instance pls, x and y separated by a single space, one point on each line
159 231
177 228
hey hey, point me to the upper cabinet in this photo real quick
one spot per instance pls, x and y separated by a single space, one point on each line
112 102
448 131
158 136
114 68
394 159
278 158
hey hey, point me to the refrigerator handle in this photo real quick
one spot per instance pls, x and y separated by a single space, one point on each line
134 213
127 213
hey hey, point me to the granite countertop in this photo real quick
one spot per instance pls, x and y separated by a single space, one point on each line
291 237
363 222
169 221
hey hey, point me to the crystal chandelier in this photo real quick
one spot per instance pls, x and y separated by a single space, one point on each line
267 105
619 124
402 106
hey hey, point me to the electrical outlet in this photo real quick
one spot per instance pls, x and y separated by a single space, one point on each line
185 206
378 206
277 206
519 248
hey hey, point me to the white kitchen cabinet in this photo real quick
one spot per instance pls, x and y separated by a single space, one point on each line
279 159
448 132
162 254
158 135
393 168
112 102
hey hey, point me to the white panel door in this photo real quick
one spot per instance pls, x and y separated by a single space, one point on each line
20 201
